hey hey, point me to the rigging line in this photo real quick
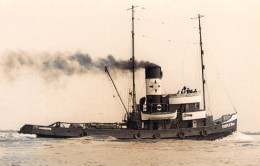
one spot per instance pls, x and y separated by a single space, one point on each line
198 62
128 85
142 83
139 90
213 64
221 81
169 40
113 91
130 90
198 67
195 59
214 84
145 36
219 76
183 64
118 94
129 97
137 80
126 88
209 100
163 22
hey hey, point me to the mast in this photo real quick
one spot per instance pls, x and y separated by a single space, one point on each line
133 58
202 65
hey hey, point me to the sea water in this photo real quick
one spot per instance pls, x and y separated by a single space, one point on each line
241 148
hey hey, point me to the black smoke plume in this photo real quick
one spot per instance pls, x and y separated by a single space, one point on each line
55 65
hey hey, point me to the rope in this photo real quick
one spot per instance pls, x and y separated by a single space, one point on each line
219 77
183 64
163 22
198 67
126 89
164 39
208 98
115 96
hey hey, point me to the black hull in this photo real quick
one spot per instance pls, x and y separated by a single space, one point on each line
211 132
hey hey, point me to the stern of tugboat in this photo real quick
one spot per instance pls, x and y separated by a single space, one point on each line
228 122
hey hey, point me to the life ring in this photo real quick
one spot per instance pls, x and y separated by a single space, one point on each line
159 107
83 134
157 136
137 136
204 133
181 135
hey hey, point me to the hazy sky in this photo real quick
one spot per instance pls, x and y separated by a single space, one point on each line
165 35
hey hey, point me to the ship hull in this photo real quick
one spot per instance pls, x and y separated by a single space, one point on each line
210 132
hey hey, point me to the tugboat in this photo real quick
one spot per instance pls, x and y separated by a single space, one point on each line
157 116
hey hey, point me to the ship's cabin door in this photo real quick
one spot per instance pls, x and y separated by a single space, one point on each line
155 125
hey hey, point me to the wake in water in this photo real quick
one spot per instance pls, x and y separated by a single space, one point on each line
100 138
21 149
251 133
237 136
14 136
11 135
